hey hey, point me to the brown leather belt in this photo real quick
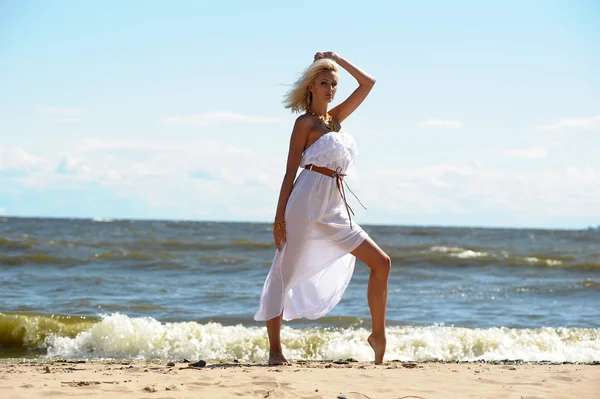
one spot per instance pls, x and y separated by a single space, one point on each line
339 180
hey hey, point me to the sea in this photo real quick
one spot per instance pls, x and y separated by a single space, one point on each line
140 289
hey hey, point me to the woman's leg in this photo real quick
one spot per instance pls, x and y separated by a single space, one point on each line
276 357
380 264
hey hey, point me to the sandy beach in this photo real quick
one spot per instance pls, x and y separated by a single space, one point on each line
342 379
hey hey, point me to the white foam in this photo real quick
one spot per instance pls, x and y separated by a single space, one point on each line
119 336
447 249
102 220
459 252
464 253
470 254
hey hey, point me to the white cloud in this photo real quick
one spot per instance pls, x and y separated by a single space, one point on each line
17 158
71 166
63 115
586 173
430 189
261 213
60 111
66 120
589 123
532 197
529 153
164 173
2 211
210 147
443 124
214 180
214 118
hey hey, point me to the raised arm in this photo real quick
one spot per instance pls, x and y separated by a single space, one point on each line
297 142
365 84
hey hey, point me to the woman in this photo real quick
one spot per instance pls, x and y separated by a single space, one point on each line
317 241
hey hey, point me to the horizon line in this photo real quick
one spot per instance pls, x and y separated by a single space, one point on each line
104 219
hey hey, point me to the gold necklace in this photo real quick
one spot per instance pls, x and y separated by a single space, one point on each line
326 120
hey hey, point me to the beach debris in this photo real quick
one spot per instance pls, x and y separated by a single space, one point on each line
170 364
69 361
87 383
341 362
199 363
73 369
149 389
409 365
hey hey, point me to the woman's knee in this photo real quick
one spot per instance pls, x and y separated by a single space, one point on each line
387 263
383 265
374 257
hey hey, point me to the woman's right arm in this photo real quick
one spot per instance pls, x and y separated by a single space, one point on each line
297 142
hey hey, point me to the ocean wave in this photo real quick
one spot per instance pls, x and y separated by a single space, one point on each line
119 336
119 255
206 245
591 284
103 220
222 261
30 330
139 247
19 244
36 258
249 244
479 256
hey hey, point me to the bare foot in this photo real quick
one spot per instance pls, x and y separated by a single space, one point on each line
278 359
378 345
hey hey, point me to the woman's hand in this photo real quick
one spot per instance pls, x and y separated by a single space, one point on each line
327 54
279 236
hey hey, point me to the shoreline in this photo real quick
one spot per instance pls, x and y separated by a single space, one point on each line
42 378
214 363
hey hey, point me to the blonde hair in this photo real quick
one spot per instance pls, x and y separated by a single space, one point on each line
299 98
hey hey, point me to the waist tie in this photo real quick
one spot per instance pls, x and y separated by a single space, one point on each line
339 180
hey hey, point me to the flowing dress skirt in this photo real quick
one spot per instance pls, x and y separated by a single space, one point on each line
311 272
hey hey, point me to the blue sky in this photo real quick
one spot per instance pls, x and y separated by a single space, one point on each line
482 115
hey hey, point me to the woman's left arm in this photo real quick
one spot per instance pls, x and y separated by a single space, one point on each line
365 82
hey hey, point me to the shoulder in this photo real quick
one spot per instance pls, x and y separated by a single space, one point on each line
304 122
304 119
302 128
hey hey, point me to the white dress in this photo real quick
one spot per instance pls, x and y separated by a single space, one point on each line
311 272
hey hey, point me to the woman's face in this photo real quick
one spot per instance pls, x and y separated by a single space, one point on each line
324 87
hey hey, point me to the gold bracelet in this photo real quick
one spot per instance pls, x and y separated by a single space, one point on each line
278 225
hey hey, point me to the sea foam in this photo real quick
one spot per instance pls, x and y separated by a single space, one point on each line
122 337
